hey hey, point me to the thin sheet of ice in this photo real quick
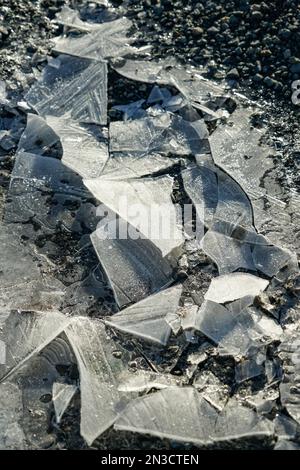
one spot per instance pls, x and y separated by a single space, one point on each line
188 80
132 110
135 268
165 133
11 410
229 287
78 86
228 253
100 372
145 204
123 165
247 369
62 395
270 259
84 149
38 137
27 333
109 39
181 414
212 389
200 183
71 18
145 380
147 318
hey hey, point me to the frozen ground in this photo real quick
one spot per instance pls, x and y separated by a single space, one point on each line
257 146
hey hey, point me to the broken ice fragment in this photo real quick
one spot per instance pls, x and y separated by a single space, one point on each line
77 86
145 204
71 19
84 149
228 253
285 427
247 369
147 318
181 414
133 110
229 287
200 183
100 373
62 395
284 445
270 259
144 381
38 137
11 412
165 133
26 334
135 268
212 389
107 40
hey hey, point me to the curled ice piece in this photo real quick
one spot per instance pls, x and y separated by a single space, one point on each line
165 133
229 287
147 318
100 373
38 137
144 381
135 267
26 334
200 183
182 414
62 395
228 253
107 40
145 204
84 148
78 87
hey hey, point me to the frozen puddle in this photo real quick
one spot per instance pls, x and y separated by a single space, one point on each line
145 247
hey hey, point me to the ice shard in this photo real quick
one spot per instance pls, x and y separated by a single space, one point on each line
85 149
212 389
248 369
107 40
181 414
100 373
270 259
62 395
77 86
228 253
147 318
38 137
229 287
71 18
135 268
200 183
26 334
289 387
145 204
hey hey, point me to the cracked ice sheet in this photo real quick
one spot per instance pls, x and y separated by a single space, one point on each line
229 287
84 149
147 319
136 200
165 133
107 40
77 86
188 81
145 380
182 414
101 372
135 268
26 334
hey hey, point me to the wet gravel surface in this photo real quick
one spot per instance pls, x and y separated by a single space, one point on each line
254 45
